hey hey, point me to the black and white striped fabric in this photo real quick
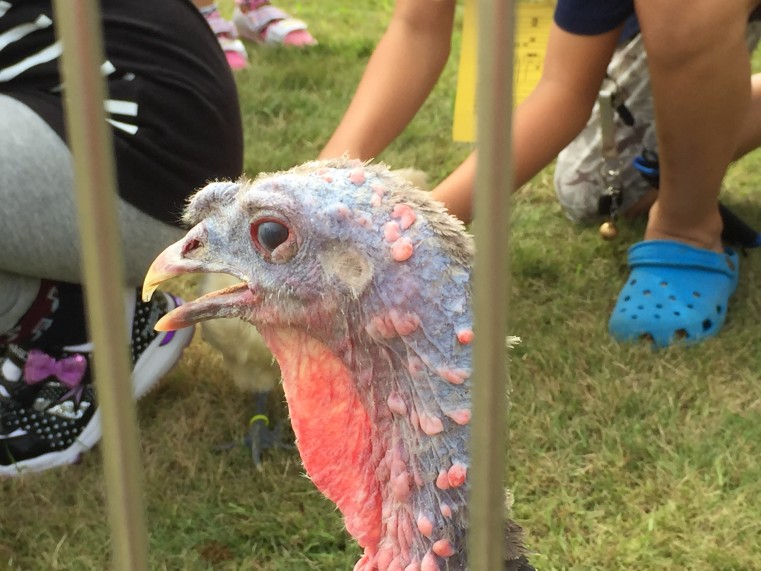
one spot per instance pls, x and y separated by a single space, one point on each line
171 100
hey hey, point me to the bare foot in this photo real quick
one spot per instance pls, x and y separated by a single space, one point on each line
705 234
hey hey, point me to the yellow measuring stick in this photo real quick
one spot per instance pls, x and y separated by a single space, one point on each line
532 28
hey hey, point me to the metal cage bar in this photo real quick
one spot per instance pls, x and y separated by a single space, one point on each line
494 186
79 28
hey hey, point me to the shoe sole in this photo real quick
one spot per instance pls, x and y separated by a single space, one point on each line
156 361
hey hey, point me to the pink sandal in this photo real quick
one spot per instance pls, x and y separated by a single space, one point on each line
259 21
235 51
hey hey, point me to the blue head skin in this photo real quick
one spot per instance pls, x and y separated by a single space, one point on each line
361 286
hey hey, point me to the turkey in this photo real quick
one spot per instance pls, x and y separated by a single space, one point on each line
360 285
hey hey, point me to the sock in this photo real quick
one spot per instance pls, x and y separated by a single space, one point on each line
56 318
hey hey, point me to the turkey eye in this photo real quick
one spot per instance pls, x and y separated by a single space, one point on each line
269 234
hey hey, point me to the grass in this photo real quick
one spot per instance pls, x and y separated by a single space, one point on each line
619 457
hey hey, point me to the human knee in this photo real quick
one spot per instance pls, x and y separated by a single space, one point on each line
680 31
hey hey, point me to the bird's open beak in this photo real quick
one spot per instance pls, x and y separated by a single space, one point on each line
169 264
230 302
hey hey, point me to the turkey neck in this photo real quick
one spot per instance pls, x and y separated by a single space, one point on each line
380 408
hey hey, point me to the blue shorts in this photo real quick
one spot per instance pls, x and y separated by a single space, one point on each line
592 17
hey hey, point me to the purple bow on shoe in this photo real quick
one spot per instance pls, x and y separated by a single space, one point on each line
69 370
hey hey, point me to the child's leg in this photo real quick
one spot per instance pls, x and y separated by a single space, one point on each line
38 218
681 278
578 170
48 411
699 72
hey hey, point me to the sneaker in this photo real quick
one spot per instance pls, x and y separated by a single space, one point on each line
14 391
48 411
11 363
235 51
259 21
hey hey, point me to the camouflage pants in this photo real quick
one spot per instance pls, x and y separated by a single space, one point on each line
579 180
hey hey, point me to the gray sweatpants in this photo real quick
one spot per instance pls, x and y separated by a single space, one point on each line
38 218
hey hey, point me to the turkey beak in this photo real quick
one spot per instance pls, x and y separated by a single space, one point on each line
169 264
182 258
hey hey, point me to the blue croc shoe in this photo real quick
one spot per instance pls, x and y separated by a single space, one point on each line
674 292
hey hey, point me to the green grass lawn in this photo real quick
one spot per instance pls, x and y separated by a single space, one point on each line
619 457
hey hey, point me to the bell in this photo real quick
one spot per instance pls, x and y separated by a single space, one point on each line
608 230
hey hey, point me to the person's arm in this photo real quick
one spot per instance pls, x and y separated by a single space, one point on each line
398 78
548 119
